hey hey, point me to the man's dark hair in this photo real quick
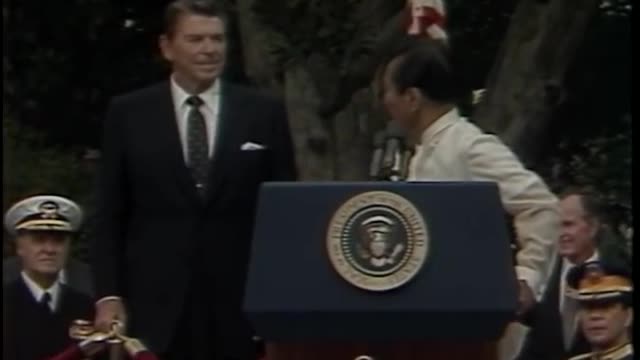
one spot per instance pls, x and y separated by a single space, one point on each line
424 64
178 8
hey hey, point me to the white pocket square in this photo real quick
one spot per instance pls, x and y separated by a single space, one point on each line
251 146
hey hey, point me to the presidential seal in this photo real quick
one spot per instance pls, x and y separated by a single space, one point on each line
377 241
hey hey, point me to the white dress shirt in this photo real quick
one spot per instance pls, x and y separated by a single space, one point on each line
568 313
38 292
210 110
62 277
566 267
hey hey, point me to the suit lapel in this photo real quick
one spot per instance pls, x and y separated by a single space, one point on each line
231 127
25 295
553 293
553 306
167 132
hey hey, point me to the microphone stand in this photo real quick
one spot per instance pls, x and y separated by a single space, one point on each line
391 160
375 168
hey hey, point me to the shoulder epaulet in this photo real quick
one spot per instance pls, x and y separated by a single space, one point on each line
618 353
621 353
581 357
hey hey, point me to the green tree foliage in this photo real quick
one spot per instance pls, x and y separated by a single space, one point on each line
31 167
339 37
590 140
601 163
63 61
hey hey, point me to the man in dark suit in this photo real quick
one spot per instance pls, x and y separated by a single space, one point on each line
75 274
38 308
181 168
554 330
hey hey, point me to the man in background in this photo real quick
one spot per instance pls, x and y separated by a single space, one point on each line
584 237
553 321
38 308
604 292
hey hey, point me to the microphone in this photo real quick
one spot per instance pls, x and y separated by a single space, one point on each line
394 155
406 163
376 160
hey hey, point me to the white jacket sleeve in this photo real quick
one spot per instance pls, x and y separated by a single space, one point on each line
526 197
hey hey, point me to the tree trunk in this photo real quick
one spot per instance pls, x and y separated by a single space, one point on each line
353 131
360 71
333 144
338 148
527 81
314 147
296 89
255 49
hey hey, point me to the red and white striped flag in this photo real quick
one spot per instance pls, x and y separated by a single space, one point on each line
427 17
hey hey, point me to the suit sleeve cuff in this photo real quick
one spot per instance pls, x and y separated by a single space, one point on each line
530 277
72 352
107 298
134 347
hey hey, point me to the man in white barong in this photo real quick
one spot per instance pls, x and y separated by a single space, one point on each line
419 92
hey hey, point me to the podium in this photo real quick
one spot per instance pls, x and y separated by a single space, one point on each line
380 270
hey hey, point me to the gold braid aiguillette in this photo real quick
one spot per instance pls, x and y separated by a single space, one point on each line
84 332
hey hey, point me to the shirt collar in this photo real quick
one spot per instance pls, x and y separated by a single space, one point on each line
62 278
208 96
594 257
38 292
439 125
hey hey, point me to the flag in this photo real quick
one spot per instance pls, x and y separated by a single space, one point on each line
427 18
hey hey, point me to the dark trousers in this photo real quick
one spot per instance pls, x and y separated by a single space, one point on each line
194 335
197 338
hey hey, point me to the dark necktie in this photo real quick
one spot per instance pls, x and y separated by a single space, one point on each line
45 301
197 144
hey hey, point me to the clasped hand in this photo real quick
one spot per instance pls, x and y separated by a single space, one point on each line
93 341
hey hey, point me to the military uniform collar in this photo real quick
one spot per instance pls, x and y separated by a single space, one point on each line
37 292
615 353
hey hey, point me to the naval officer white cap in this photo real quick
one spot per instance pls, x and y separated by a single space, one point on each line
44 213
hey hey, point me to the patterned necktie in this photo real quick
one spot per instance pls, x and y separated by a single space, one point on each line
45 301
197 144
